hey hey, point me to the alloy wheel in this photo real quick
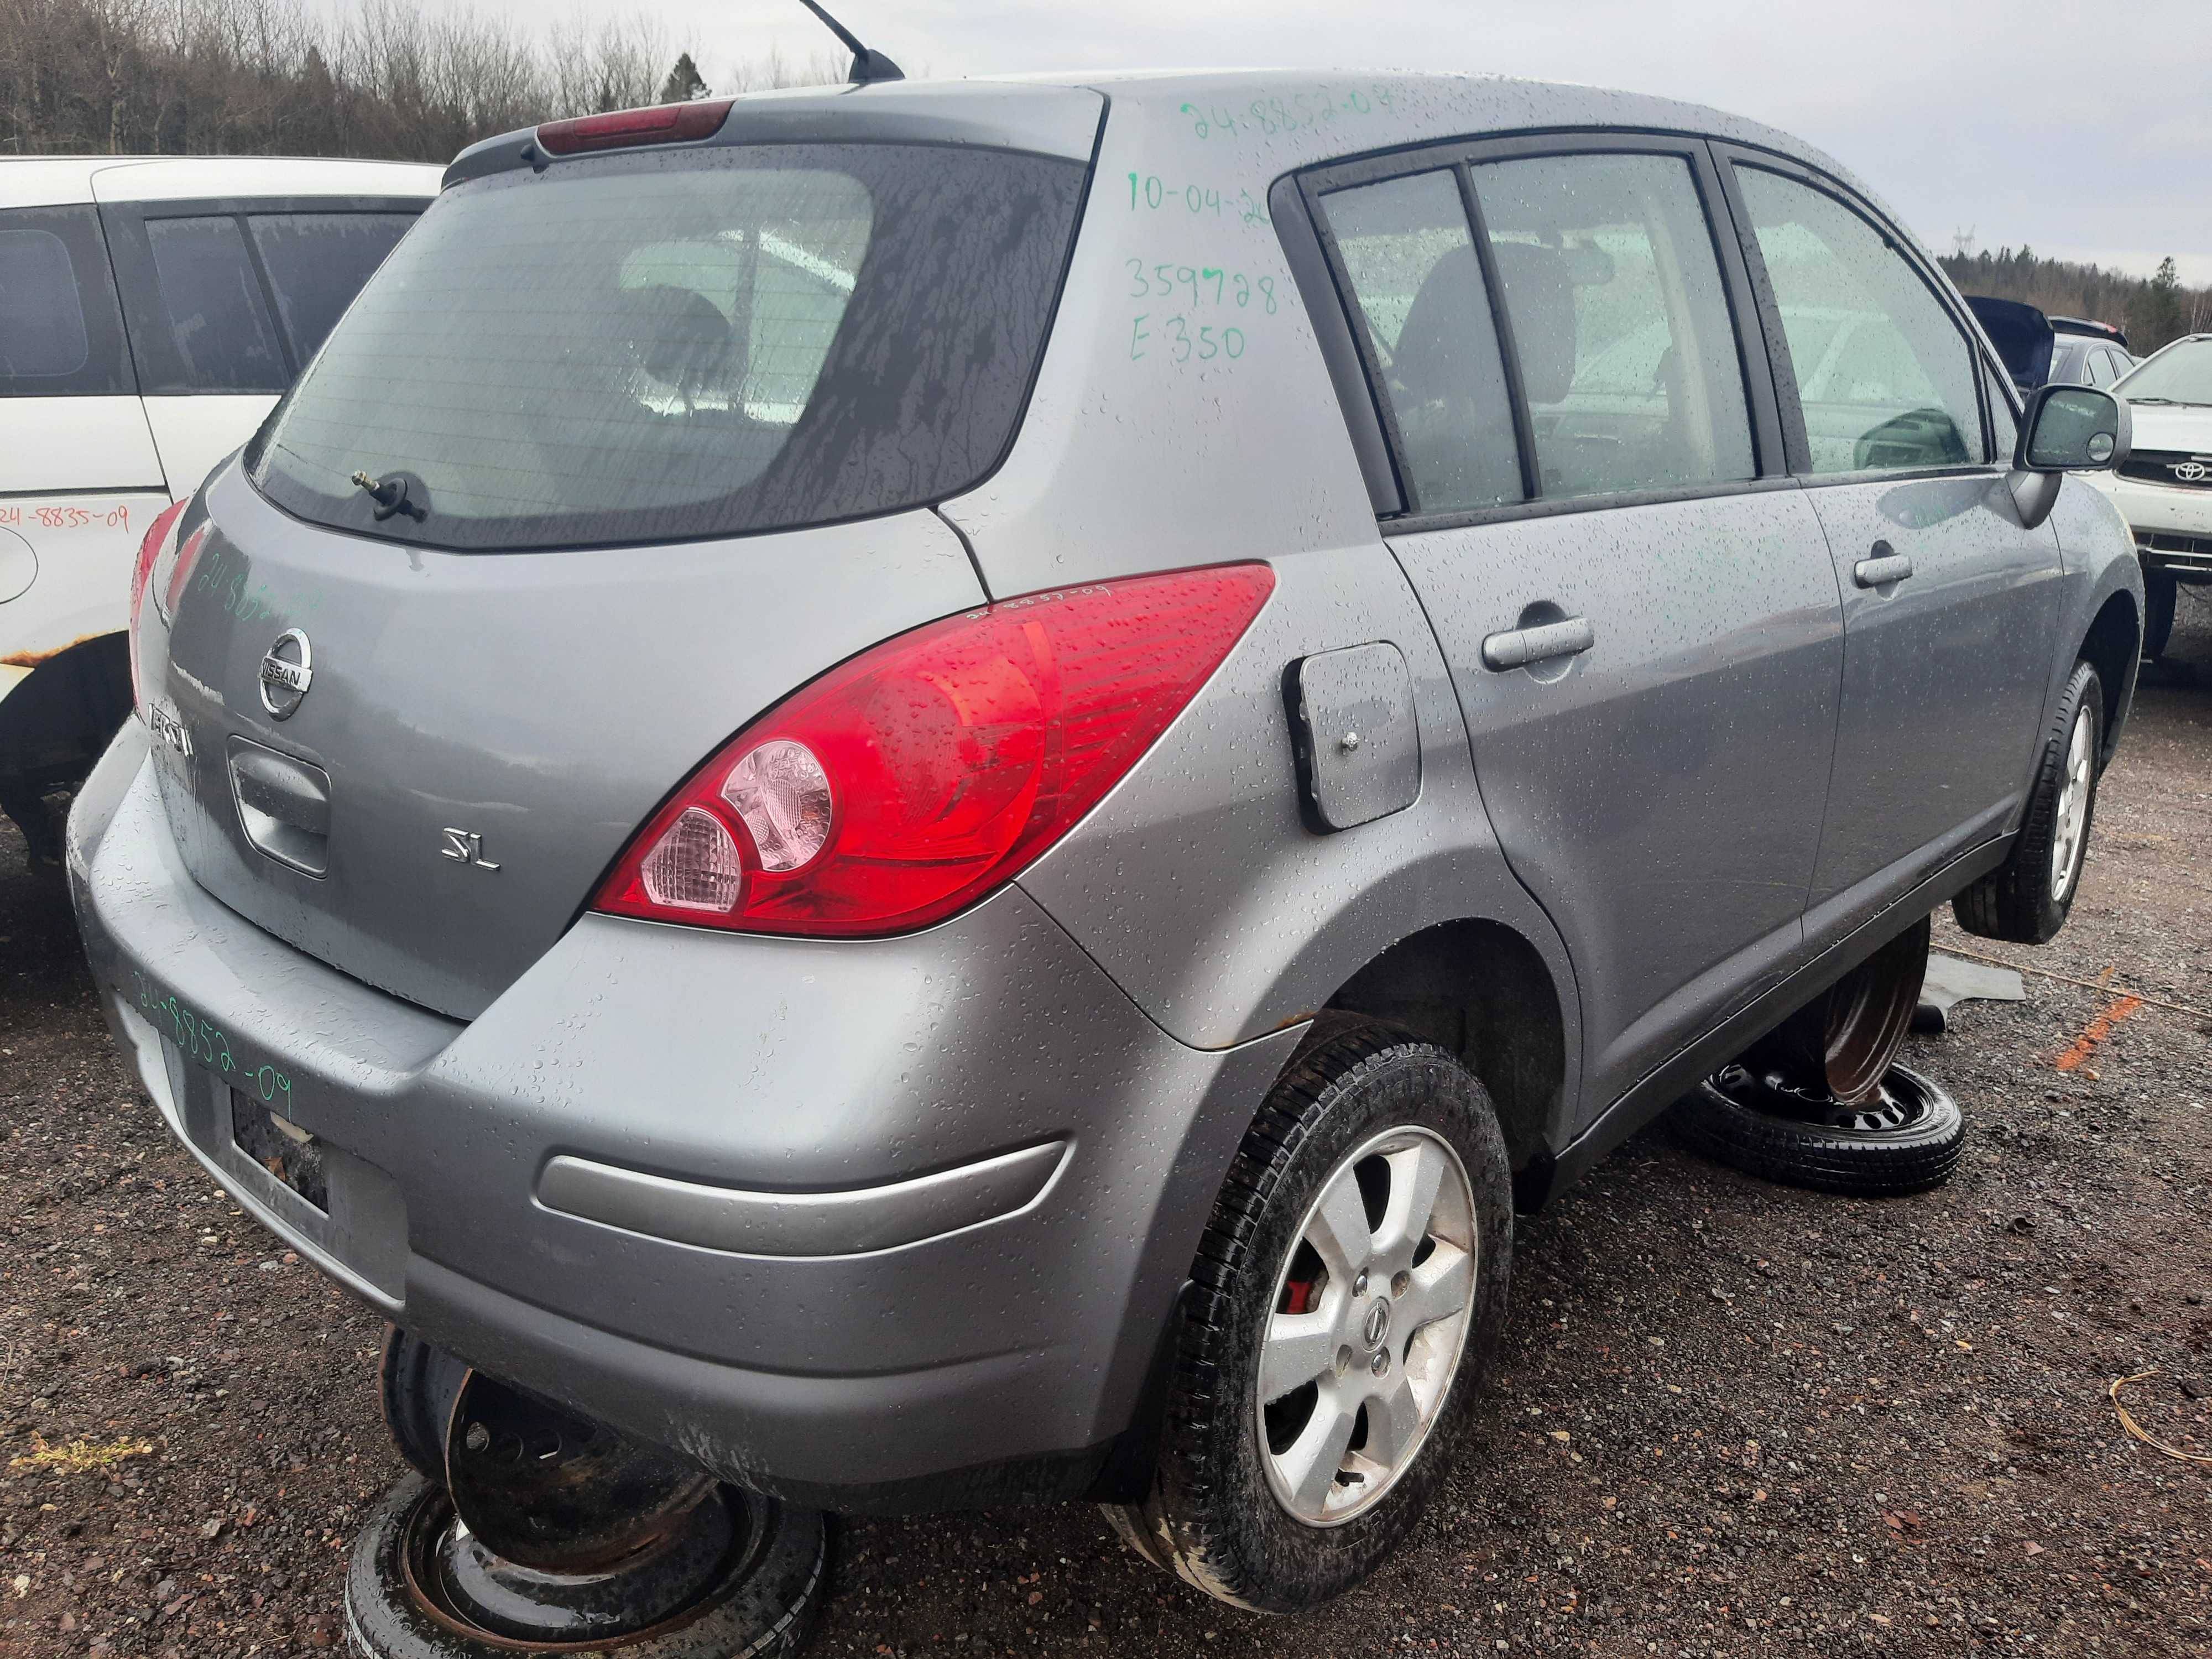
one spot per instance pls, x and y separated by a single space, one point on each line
1366 1328
2069 843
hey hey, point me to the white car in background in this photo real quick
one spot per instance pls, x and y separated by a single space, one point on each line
151 312
2165 490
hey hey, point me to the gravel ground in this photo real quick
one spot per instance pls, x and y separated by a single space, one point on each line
1730 1417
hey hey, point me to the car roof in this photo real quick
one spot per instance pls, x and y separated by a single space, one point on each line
1323 115
2083 326
62 180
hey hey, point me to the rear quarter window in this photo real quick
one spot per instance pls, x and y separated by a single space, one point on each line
667 346
61 329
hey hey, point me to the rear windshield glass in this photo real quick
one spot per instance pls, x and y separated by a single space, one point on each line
657 347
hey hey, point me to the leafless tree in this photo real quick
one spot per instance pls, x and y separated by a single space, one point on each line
387 78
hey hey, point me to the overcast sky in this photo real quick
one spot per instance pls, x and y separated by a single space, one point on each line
2082 131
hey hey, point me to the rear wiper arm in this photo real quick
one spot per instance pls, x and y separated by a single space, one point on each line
390 494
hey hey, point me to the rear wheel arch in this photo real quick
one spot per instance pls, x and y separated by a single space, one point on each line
1480 989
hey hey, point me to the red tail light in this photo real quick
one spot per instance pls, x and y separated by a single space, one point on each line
661 124
158 535
928 771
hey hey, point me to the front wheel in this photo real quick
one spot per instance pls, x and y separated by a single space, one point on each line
1347 1294
2027 899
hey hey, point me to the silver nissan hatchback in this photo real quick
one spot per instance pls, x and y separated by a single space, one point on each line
942 794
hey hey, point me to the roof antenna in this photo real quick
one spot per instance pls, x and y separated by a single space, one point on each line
866 65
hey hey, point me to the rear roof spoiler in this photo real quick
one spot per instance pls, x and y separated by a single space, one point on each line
1042 120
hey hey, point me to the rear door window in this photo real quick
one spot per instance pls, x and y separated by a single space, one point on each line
1620 322
1885 375
652 347
213 312
1418 294
316 261
61 330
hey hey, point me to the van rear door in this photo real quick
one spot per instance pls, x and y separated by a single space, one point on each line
79 482
608 459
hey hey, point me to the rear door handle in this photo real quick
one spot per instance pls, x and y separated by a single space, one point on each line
1519 646
1885 567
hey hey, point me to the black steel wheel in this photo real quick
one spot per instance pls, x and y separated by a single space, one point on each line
1843 1043
1904 1137
742 1579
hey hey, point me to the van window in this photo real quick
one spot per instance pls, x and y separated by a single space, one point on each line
656 347
1620 320
212 307
1410 259
61 333
317 263
1885 377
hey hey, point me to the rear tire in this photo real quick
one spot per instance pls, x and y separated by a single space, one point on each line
1281 1504
2027 899
2160 592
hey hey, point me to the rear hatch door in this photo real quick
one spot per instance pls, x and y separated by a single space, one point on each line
649 441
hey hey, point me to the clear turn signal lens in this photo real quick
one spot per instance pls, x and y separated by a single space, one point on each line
694 866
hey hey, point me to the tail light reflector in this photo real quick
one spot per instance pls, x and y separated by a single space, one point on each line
921 774
661 124
159 535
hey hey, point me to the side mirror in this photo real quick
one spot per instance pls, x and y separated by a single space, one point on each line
2068 429
2074 429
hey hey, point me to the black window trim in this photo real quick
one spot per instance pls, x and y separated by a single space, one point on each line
145 321
1728 157
1367 409
1300 230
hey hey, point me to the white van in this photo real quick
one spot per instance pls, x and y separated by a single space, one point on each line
151 312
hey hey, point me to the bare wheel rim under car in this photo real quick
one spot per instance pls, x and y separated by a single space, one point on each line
2073 814
1366 1327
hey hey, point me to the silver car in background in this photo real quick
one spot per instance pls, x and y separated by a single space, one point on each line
944 792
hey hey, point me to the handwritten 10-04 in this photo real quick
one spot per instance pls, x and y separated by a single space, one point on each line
1150 190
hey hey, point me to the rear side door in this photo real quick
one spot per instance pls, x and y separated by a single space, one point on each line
1635 600
1950 603
227 300
79 478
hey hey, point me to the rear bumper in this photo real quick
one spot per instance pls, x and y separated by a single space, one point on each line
878 1226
